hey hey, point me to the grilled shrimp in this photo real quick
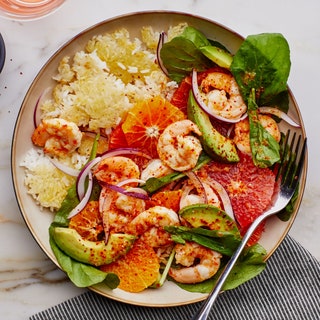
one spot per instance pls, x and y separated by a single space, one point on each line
221 93
57 136
156 216
118 210
149 225
177 148
242 132
186 255
115 169
156 169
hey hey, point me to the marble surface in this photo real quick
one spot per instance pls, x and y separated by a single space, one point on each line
29 282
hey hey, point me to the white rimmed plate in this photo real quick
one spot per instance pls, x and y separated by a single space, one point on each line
38 222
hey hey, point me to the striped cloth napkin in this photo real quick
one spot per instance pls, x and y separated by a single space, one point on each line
289 289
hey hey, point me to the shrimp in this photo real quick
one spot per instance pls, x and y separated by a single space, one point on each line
129 204
155 169
118 210
156 237
156 216
221 93
186 255
57 136
149 225
177 148
242 132
116 169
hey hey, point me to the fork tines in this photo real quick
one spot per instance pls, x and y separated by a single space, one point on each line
292 160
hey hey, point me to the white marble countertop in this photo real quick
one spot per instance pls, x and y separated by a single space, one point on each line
29 282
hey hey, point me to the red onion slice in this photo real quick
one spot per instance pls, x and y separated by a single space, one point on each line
36 112
64 168
84 200
36 117
139 195
223 195
162 38
280 114
198 185
86 170
204 107
127 181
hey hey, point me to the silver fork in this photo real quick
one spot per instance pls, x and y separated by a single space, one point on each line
289 172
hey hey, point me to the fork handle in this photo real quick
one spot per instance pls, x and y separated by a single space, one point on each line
204 310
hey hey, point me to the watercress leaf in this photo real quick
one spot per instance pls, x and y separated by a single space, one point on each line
265 149
82 275
263 63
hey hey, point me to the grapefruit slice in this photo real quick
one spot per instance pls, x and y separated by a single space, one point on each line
250 190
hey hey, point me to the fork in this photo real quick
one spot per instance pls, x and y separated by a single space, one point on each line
288 173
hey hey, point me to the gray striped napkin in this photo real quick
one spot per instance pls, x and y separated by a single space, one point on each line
289 289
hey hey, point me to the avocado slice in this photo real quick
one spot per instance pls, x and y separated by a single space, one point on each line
209 216
91 252
214 143
219 56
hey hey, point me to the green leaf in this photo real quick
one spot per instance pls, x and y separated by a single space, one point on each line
265 149
182 54
195 36
223 242
71 201
250 264
263 63
154 184
82 275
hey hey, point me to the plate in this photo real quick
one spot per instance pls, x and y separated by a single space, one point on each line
38 222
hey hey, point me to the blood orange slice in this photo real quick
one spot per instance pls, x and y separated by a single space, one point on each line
167 198
250 189
117 138
181 95
146 121
138 269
